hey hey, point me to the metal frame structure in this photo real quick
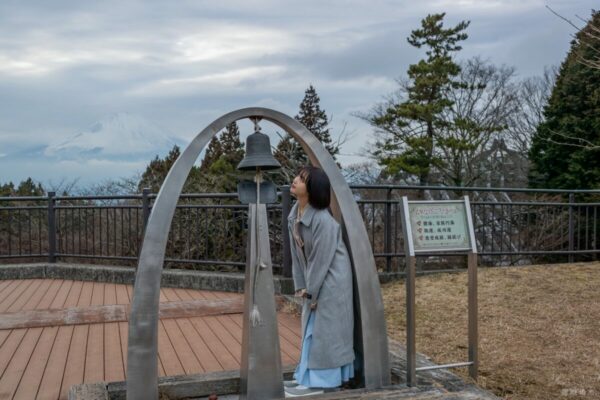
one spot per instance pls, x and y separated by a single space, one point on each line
370 328
411 258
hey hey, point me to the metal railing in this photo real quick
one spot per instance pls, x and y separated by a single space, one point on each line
513 226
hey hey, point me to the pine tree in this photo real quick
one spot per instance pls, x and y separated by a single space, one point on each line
411 130
231 145
227 145
565 151
213 152
315 119
7 189
289 152
29 188
156 172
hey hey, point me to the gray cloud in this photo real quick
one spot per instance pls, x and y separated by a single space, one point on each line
65 65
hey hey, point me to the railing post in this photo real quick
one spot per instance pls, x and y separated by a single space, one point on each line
286 206
145 206
387 231
571 226
51 228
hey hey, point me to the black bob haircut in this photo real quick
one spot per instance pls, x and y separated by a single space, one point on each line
317 186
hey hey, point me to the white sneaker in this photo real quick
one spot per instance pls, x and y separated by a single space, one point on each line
301 391
290 384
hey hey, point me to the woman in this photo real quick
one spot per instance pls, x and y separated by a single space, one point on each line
323 277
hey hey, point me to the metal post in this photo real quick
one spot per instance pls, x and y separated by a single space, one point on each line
571 226
411 345
145 206
387 233
473 311
286 206
51 228
260 367
472 294
410 276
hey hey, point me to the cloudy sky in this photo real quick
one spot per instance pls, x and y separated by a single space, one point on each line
75 77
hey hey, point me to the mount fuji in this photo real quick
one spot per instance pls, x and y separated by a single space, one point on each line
120 136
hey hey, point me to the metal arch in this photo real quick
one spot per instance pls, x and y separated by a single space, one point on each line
142 352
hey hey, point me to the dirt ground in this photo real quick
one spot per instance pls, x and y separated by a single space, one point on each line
539 327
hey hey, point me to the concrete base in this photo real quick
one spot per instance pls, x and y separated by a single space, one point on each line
433 384
187 279
195 386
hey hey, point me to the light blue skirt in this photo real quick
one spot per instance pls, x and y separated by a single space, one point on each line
319 378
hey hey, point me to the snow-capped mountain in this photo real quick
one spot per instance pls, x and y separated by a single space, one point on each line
118 136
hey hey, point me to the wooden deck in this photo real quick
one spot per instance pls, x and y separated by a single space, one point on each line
42 362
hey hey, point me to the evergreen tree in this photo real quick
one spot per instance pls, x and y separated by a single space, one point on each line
565 151
25 188
411 130
219 166
231 146
289 152
29 188
315 119
227 145
213 152
156 172
7 189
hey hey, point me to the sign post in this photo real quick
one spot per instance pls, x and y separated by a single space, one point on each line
432 227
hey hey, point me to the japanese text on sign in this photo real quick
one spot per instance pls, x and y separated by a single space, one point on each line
438 226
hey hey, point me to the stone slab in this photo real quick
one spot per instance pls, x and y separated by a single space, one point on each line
187 279
432 384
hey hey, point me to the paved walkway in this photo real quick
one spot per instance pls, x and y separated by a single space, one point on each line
79 334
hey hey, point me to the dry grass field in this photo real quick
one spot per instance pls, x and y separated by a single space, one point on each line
539 327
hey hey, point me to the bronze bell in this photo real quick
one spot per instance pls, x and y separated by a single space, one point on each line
258 153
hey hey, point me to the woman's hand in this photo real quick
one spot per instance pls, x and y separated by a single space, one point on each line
300 293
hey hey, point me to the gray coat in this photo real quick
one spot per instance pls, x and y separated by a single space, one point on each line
323 268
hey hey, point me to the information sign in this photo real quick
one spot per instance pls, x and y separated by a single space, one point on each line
439 226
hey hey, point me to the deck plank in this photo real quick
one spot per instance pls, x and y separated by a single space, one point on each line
170 361
94 359
63 293
123 332
15 294
4 284
182 294
45 360
51 294
25 296
184 352
3 335
170 294
234 324
9 288
76 367
9 347
110 293
14 371
36 296
225 336
32 377
122 296
113 356
225 359
50 386
53 374
74 371
205 357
